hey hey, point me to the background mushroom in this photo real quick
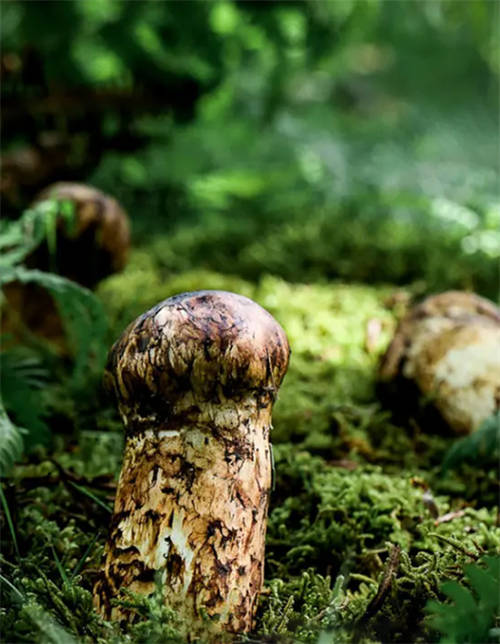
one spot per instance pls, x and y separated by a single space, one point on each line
98 243
94 246
446 351
195 379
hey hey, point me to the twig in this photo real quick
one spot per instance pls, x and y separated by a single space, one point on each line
449 516
390 569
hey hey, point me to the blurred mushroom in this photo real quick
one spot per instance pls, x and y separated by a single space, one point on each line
446 351
96 246
93 247
195 379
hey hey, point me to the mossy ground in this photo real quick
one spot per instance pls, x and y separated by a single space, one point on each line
345 495
321 146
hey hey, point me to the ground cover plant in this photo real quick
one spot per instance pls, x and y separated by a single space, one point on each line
295 160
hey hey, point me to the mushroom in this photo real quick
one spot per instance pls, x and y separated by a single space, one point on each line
99 244
447 351
96 246
195 380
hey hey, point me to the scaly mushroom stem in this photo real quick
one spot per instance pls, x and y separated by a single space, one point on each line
195 378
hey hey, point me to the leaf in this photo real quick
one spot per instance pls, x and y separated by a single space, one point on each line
19 238
11 441
60 567
22 378
472 614
485 585
460 595
11 586
82 314
50 631
82 561
482 445
92 496
10 523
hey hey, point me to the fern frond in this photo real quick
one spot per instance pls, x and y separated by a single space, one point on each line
11 441
22 378
472 615
81 312
19 238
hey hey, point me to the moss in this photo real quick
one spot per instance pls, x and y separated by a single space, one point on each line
343 498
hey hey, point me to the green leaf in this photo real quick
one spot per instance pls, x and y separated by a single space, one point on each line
473 613
92 496
19 238
82 561
50 631
11 441
22 379
485 585
10 523
460 595
11 586
82 314
482 445
60 567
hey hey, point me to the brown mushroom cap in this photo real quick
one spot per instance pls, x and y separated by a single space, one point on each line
196 348
435 314
99 244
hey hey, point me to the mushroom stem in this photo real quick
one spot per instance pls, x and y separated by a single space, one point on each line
191 505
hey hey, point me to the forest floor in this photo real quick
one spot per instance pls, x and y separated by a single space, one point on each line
355 550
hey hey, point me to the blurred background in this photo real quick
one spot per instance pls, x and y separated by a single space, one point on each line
349 139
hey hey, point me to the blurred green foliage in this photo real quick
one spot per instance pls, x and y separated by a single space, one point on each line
354 139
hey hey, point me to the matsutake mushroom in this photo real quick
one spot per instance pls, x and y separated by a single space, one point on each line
94 246
446 351
98 243
195 379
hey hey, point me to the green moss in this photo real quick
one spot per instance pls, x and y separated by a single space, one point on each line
144 283
343 498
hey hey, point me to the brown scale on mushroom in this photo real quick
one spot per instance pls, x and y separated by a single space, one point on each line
447 348
195 379
94 247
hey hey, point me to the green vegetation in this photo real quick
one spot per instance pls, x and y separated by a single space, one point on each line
329 160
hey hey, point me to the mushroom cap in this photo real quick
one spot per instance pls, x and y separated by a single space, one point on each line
192 349
448 346
101 235
434 315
